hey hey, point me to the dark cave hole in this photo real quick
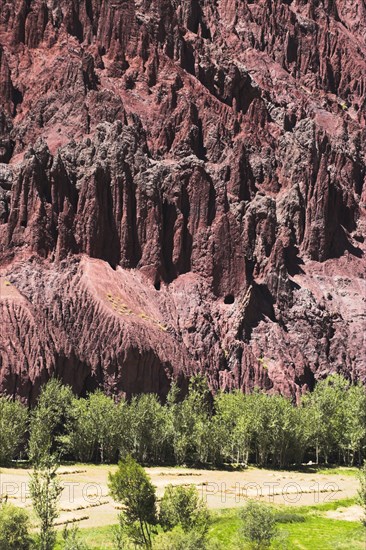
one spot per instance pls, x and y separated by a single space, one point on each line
157 285
17 100
229 299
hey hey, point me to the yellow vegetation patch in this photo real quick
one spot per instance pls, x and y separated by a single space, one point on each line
144 316
120 307
125 311
263 363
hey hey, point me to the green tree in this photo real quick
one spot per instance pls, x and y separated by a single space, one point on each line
258 525
329 404
45 490
190 423
125 429
103 413
233 422
262 426
200 401
182 506
13 427
353 435
93 428
49 421
182 422
266 426
149 429
131 486
302 434
80 438
14 528
281 429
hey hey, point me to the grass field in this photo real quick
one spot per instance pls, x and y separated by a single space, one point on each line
313 531
353 472
329 519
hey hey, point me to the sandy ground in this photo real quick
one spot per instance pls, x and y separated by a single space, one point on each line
85 492
352 513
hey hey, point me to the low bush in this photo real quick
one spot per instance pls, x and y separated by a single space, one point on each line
71 540
288 517
14 528
177 539
258 525
182 506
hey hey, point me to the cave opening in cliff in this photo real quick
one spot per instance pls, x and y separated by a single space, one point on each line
157 285
229 299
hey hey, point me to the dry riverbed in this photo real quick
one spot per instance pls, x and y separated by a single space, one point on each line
85 496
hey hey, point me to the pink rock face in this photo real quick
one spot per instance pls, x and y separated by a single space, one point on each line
181 189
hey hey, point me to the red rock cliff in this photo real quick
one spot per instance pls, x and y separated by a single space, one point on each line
181 190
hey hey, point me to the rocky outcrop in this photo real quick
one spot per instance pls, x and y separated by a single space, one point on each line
203 163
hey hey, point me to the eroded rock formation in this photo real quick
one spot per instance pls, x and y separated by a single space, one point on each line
181 189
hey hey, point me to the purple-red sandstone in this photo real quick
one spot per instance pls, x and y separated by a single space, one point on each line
182 189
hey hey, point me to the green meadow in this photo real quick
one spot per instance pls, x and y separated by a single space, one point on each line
300 528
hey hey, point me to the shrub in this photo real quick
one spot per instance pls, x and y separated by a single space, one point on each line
14 528
71 540
288 517
180 540
182 506
258 525
120 534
